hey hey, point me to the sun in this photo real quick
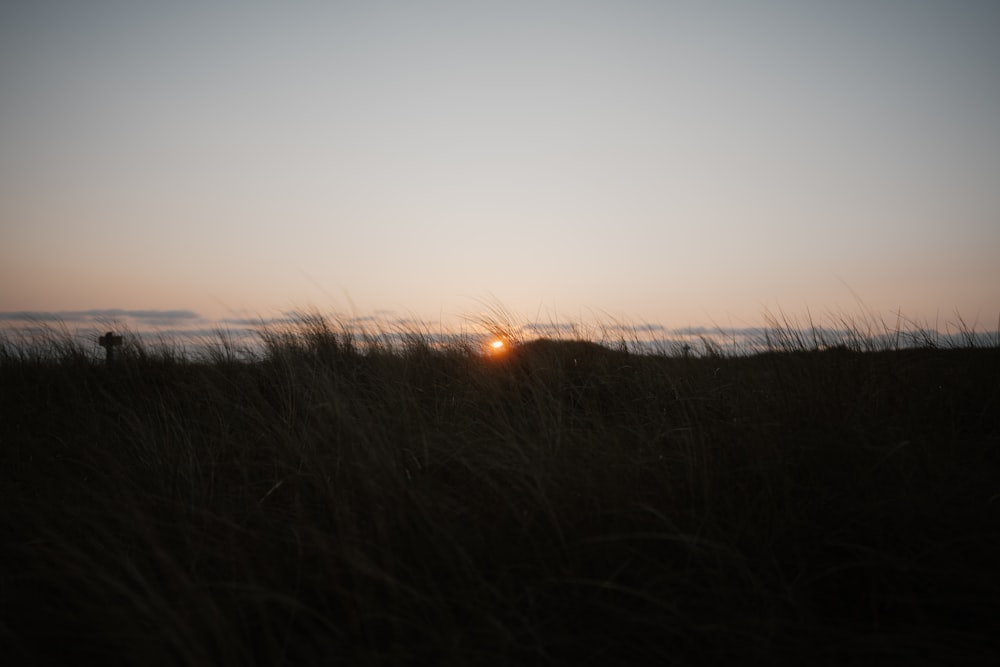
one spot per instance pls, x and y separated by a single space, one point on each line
496 348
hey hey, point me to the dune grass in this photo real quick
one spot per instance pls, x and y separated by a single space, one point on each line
338 498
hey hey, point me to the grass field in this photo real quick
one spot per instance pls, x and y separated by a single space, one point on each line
333 500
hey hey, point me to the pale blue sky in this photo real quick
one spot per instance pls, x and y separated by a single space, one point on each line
674 162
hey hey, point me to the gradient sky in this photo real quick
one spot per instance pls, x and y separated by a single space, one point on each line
674 162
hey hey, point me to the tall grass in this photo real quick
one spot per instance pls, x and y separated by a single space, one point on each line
337 496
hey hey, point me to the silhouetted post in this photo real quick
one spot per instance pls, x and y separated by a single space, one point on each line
109 342
687 350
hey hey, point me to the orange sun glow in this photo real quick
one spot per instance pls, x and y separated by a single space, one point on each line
496 348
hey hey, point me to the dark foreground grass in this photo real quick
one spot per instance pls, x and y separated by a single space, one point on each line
337 502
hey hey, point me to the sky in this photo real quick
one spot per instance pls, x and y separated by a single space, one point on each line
681 164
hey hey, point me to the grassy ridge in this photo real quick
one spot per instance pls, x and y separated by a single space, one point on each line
564 504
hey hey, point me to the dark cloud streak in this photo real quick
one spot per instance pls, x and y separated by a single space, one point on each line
145 316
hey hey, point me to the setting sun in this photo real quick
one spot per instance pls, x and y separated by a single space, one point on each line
496 348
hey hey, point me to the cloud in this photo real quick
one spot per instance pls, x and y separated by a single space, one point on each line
29 316
551 328
257 321
646 327
720 331
202 333
596 331
364 320
148 317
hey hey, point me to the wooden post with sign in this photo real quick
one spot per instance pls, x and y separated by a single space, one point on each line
109 342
